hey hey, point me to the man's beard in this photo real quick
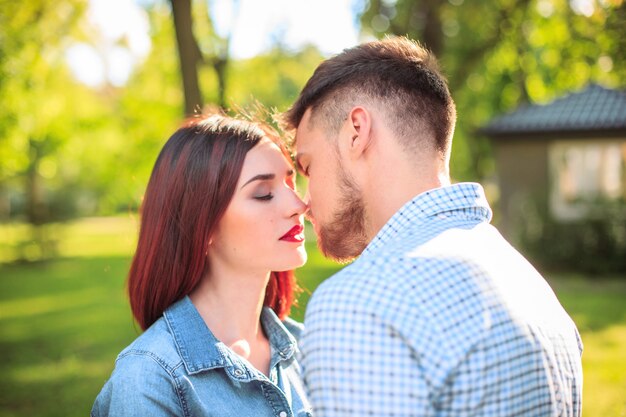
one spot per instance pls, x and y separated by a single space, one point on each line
344 238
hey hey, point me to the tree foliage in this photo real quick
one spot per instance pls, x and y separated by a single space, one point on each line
499 54
33 123
69 150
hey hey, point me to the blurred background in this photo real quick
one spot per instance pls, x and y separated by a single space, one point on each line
91 89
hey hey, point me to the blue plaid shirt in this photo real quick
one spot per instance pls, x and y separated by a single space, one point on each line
440 316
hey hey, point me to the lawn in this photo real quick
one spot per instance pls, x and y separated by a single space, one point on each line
63 322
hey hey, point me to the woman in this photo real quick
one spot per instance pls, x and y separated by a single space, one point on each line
211 282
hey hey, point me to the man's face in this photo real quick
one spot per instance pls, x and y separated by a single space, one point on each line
336 206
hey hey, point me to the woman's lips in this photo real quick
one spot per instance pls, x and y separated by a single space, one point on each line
295 234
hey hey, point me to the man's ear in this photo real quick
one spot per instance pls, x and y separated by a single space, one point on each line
359 131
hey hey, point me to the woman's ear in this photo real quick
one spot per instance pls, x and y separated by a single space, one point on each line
208 246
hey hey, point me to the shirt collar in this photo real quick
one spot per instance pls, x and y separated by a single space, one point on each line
201 350
467 199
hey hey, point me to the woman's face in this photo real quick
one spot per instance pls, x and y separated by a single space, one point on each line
262 228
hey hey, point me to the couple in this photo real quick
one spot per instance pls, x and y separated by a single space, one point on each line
438 316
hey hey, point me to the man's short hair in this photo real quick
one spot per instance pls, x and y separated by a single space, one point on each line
397 76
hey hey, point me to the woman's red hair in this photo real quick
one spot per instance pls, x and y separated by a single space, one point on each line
191 185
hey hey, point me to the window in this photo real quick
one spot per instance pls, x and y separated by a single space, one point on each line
583 172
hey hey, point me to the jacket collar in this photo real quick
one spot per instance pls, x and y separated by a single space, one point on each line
283 343
200 350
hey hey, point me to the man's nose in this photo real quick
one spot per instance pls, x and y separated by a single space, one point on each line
307 200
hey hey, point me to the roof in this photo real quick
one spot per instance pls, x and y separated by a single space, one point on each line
594 109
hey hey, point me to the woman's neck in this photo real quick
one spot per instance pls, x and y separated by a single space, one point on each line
230 302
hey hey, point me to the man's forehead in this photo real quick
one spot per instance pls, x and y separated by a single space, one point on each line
306 122
304 130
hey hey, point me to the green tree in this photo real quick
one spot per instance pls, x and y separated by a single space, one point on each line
32 126
67 149
499 54
29 125
274 78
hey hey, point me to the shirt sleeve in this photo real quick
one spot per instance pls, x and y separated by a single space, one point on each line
139 386
356 363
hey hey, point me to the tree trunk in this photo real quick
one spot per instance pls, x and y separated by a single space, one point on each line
189 54
432 33
36 212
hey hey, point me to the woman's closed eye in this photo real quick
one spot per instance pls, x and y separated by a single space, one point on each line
265 197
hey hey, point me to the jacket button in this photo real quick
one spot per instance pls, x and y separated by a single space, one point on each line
238 372
282 414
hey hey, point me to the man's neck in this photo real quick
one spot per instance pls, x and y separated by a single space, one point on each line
387 194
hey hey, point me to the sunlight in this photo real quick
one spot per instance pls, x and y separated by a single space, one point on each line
45 304
69 368
120 31
120 40
256 26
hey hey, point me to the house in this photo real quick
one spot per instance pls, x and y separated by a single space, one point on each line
561 158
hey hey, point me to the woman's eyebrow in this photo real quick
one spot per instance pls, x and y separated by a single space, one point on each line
260 177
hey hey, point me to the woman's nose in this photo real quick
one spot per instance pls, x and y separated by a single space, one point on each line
299 206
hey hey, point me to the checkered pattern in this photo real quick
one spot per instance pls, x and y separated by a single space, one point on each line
440 316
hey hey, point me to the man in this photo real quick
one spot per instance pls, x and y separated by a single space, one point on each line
439 316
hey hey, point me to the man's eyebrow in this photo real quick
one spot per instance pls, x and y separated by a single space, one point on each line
260 177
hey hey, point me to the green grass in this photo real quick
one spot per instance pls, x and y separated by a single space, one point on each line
598 306
63 322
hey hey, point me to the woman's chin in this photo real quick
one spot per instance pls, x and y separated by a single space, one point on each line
298 259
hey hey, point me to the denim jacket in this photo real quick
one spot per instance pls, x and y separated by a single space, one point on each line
178 368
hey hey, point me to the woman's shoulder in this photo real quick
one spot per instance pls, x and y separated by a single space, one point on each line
144 376
156 344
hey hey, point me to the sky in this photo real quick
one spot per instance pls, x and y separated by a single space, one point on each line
255 25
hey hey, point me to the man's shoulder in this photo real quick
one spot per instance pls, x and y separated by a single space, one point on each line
368 284
411 285
393 267
410 296
355 277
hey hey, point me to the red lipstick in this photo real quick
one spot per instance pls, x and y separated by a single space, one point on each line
295 234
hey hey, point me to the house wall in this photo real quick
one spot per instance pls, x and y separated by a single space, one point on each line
529 185
522 167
